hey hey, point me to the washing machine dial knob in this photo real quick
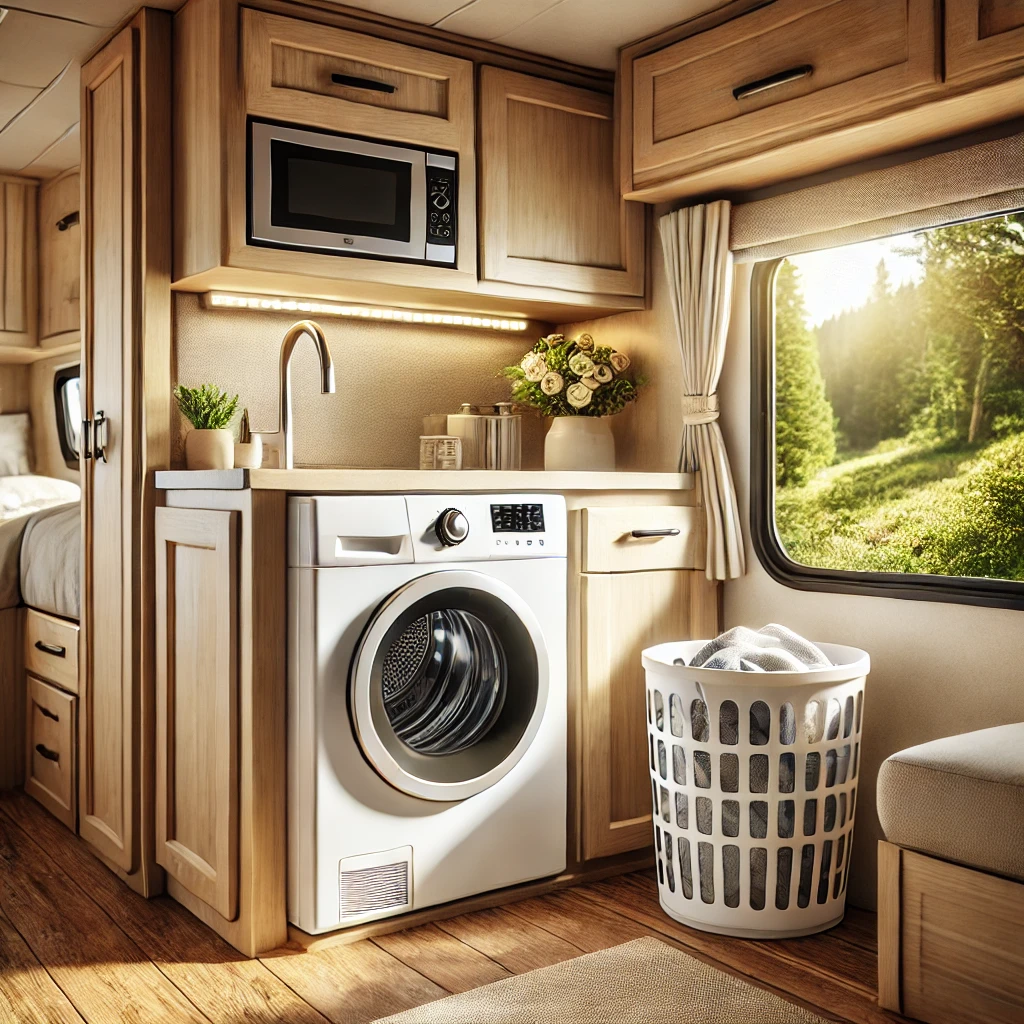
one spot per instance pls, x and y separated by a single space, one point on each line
452 527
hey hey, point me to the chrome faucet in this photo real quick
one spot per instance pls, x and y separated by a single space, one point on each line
281 442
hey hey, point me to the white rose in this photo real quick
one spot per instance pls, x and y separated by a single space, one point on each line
619 362
591 382
602 373
578 395
552 383
581 365
585 343
534 365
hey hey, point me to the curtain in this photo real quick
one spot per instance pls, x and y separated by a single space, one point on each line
699 267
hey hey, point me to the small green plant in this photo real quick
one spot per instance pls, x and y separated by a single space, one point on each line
206 407
559 377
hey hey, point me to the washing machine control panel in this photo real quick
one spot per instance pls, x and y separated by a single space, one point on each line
471 527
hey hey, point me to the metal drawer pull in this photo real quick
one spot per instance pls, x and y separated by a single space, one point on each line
355 82
66 222
670 531
54 649
741 92
50 755
47 713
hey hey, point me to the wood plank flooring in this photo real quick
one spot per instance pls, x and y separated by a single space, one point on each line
77 945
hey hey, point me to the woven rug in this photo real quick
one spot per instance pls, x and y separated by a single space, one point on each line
640 982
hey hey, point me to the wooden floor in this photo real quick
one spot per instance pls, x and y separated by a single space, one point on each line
76 944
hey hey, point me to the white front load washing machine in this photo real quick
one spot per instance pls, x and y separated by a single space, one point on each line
426 710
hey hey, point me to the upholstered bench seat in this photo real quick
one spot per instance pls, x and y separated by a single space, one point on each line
960 799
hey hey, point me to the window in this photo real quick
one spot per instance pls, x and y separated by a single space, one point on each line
890 380
67 401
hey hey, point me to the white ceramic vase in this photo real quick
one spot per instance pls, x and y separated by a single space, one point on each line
577 443
209 449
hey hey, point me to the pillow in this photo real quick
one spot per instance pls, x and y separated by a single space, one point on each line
20 495
14 444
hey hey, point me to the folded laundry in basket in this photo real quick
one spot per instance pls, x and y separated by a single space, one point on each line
772 648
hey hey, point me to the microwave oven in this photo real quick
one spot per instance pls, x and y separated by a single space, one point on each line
342 194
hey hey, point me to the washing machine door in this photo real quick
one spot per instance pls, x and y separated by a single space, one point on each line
449 684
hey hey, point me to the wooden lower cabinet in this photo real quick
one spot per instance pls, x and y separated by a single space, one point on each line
50 750
197 702
621 613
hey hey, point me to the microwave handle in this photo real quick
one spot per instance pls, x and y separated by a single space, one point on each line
355 82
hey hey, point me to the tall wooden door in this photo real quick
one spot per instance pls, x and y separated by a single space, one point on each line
126 370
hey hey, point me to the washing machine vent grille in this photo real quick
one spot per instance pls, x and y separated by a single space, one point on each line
376 883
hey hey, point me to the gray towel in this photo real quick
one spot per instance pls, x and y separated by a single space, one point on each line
772 648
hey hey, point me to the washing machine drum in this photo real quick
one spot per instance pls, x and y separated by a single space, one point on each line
449 685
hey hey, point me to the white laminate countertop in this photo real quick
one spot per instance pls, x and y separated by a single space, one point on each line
414 481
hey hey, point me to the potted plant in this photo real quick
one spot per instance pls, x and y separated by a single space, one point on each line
580 385
210 444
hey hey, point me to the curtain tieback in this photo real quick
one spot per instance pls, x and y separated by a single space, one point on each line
699 409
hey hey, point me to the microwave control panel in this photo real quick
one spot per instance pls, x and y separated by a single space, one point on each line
441 201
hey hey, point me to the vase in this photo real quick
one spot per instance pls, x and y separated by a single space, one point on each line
210 449
580 443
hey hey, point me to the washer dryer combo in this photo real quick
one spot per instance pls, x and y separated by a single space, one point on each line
427 700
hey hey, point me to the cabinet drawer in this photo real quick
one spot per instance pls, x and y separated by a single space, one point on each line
642 537
50 754
330 78
783 71
51 649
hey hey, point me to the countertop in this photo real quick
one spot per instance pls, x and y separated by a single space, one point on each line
412 481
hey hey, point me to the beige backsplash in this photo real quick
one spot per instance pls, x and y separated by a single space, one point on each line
388 378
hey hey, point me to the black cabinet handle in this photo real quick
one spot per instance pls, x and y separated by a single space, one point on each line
54 649
669 531
741 92
50 755
355 82
47 713
65 222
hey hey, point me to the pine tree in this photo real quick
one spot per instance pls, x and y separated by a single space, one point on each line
804 434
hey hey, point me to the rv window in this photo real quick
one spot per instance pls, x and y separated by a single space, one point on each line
68 408
890 380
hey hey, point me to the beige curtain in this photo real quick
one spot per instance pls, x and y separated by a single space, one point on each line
699 267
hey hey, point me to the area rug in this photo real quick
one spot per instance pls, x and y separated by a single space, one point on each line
640 982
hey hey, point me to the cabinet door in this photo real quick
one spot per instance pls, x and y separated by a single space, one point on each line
60 257
550 210
197 703
983 37
621 614
18 266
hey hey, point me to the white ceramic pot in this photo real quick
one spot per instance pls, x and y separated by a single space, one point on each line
580 443
209 449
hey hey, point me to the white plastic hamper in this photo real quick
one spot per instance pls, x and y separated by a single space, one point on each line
754 779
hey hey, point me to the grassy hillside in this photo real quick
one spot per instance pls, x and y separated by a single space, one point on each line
918 507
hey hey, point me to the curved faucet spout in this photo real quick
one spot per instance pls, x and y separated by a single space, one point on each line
283 441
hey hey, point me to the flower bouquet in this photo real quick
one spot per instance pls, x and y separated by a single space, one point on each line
578 383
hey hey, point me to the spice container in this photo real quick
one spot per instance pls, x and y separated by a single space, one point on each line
468 425
503 438
440 451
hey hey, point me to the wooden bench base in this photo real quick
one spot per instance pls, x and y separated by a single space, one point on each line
950 941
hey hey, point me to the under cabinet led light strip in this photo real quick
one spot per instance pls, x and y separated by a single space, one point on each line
322 307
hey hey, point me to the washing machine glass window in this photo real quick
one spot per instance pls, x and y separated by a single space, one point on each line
449 684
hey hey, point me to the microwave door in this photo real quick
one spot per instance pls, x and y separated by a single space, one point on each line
343 195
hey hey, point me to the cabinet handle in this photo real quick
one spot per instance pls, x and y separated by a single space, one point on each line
66 222
100 436
668 531
355 82
47 713
741 92
50 755
85 443
54 649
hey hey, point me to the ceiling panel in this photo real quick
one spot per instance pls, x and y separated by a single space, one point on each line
58 156
423 12
42 122
490 19
93 12
14 99
33 48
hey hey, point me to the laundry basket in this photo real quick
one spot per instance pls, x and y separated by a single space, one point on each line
754 777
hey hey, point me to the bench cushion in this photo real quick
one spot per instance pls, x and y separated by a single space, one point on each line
959 798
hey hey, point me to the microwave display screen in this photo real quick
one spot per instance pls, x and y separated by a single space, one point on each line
339 192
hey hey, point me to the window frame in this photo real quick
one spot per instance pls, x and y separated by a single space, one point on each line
60 377
768 547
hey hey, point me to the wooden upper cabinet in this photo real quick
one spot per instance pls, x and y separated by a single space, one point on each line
60 258
550 210
983 38
327 77
784 71
18 272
